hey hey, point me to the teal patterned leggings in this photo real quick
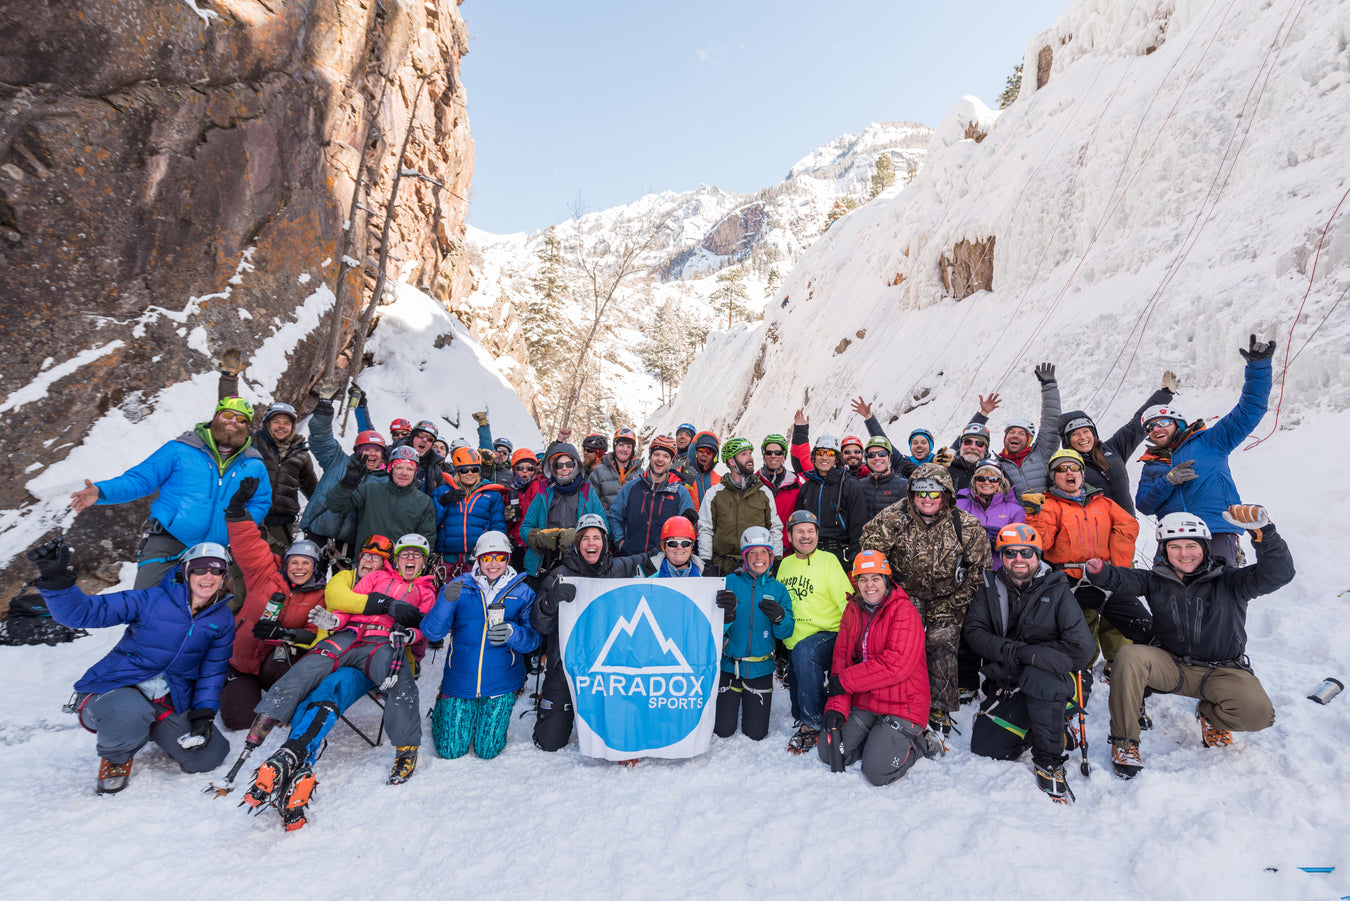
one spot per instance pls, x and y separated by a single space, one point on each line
458 722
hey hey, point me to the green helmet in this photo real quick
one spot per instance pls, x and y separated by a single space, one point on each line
733 446
879 441
238 404
774 439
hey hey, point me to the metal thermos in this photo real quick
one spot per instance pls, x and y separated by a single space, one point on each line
1326 691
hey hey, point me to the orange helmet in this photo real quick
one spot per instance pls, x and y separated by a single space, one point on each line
873 562
851 439
524 454
678 527
464 456
665 443
1018 534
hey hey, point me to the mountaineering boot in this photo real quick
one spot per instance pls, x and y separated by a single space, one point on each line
112 777
941 726
295 796
803 740
1145 721
273 775
1212 736
966 695
1125 759
405 761
1052 782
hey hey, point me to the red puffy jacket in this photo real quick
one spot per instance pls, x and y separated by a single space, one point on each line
264 577
880 660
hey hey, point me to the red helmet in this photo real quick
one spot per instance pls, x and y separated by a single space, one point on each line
851 439
678 527
665 443
1018 534
370 436
874 562
400 425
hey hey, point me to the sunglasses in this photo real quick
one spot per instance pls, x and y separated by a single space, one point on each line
973 442
1012 553
525 467
1160 424
822 453
986 478
495 557
679 542
930 495
401 433
1068 467
215 569
769 453
468 469
233 414
564 464
876 455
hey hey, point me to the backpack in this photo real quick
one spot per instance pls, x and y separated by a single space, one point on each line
28 621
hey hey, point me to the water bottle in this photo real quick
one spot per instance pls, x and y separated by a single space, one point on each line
273 608
1326 691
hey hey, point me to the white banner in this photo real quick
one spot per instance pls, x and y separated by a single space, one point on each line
641 658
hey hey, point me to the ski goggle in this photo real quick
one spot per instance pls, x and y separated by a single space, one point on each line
494 557
929 495
1068 467
679 542
1012 553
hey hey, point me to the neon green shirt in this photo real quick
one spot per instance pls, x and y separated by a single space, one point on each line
820 591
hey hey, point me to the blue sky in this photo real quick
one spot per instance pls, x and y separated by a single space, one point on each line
615 100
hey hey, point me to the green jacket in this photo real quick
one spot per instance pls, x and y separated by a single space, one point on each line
383 508
726 511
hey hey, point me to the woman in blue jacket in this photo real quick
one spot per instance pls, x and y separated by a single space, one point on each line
762 613
162 681
464 512
486 612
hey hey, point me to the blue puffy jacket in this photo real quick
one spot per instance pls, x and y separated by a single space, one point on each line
641 508
747 643
459 525
332 460
475 668
162 636
1212 491
194 487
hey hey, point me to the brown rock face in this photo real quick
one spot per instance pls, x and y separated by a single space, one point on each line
968 268
154 160
737 231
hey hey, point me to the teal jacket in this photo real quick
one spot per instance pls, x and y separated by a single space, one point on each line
748 641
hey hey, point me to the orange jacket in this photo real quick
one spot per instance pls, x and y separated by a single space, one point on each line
264 577
1074 532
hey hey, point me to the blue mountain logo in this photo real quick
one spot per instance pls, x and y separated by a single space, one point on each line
640 646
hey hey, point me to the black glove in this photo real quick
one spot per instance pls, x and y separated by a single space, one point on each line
833 719
451 497
692 516
564 592
1045 373
772 609
52 558
547 605
200 720
377 604
323 407
1182 472
1041 657
356 469
405 614
835 687
234 510
267 629
726 599
1257 350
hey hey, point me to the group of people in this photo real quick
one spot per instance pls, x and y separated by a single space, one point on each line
885 587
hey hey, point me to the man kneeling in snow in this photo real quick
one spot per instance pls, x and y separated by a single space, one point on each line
1199 642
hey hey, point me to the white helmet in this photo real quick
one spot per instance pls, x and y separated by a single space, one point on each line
415 541
1182 525
1161 411
826 442
1025 425
591 521
491 543
756 536
207 551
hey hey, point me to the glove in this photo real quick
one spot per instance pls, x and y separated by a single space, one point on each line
500 634
546 539
726 599
1182 472
330 389
1170 382
564 592
565 538
323 618
481 418
833 719
1248 516
267 630
377 604
1032 502
451 497
356 469
692 516
772 609
1045 373
323 405
944 456
834 686
1044 658
52 558
451 591
405 614
1257 351
234 510
200 720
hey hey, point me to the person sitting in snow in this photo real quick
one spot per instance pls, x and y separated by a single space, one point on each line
878 685
1186 466
162 681
1199 645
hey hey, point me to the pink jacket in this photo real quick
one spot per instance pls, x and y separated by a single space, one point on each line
420 592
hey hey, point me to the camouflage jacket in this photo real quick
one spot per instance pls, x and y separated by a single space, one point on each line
924 555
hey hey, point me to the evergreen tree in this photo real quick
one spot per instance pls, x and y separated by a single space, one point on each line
842 207
1011 88
883 176
730 294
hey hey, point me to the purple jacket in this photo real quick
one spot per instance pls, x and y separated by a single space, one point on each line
1003 510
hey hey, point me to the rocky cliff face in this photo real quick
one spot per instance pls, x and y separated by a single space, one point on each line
176 178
